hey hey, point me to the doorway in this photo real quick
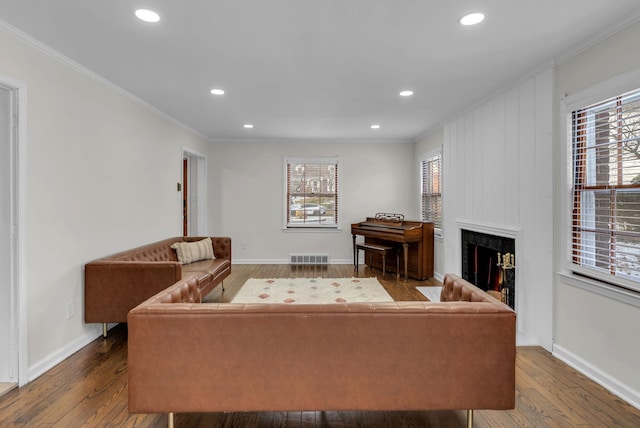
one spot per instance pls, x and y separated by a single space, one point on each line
194 193
12 305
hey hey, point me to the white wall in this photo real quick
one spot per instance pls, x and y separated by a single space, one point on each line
497 172
246 182
429 143
595 328
102 173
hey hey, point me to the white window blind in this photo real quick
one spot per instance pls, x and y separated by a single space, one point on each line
311 192
605 218
431 190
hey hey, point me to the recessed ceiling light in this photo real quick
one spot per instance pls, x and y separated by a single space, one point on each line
406 93
147 15
376 126
472 18
217 92
248 125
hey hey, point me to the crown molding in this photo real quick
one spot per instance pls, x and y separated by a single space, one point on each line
57 56
599 37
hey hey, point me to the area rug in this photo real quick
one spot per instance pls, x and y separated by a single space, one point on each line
432 293
312 290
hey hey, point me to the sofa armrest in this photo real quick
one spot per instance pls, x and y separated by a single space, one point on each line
222 247
184 291
456 289
112 288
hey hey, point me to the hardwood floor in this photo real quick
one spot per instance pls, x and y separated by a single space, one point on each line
89 389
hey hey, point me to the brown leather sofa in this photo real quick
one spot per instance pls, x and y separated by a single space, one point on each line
458 354
115 284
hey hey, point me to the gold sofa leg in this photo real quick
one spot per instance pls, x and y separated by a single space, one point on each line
104 330
170 420
470 418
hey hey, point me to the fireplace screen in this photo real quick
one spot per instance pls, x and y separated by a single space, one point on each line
488 262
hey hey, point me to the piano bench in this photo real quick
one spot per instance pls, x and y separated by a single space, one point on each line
383 250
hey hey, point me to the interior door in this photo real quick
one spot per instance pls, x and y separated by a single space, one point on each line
194 193
185 197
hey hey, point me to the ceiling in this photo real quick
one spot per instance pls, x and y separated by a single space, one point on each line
319 70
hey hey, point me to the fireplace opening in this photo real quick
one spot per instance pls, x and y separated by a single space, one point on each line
488 262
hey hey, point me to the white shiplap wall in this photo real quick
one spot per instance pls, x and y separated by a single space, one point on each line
498 172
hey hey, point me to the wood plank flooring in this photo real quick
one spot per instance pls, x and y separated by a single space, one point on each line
89 389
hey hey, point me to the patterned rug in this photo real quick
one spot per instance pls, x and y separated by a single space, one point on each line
312 290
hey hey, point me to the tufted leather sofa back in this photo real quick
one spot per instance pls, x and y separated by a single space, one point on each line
161 251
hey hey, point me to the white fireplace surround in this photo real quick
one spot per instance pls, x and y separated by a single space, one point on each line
506 232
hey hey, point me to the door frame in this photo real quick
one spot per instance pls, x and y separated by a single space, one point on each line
195 188
18 206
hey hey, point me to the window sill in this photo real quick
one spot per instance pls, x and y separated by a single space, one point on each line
601 288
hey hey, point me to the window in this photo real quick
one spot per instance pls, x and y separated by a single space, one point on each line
431 167
605 217
311 192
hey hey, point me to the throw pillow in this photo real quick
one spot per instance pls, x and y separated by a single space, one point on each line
189 252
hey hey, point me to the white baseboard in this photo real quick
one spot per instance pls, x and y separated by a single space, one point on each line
65 352
612 384
522 340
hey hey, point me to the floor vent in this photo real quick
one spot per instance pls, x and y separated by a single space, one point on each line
309 259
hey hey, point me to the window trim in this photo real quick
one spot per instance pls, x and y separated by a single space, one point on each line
425 157
310 227
595 94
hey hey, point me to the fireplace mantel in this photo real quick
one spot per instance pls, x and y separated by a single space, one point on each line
489 228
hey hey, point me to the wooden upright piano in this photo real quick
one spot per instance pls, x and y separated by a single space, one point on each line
414 240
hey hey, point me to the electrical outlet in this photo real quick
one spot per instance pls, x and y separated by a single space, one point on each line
70 309
243 245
